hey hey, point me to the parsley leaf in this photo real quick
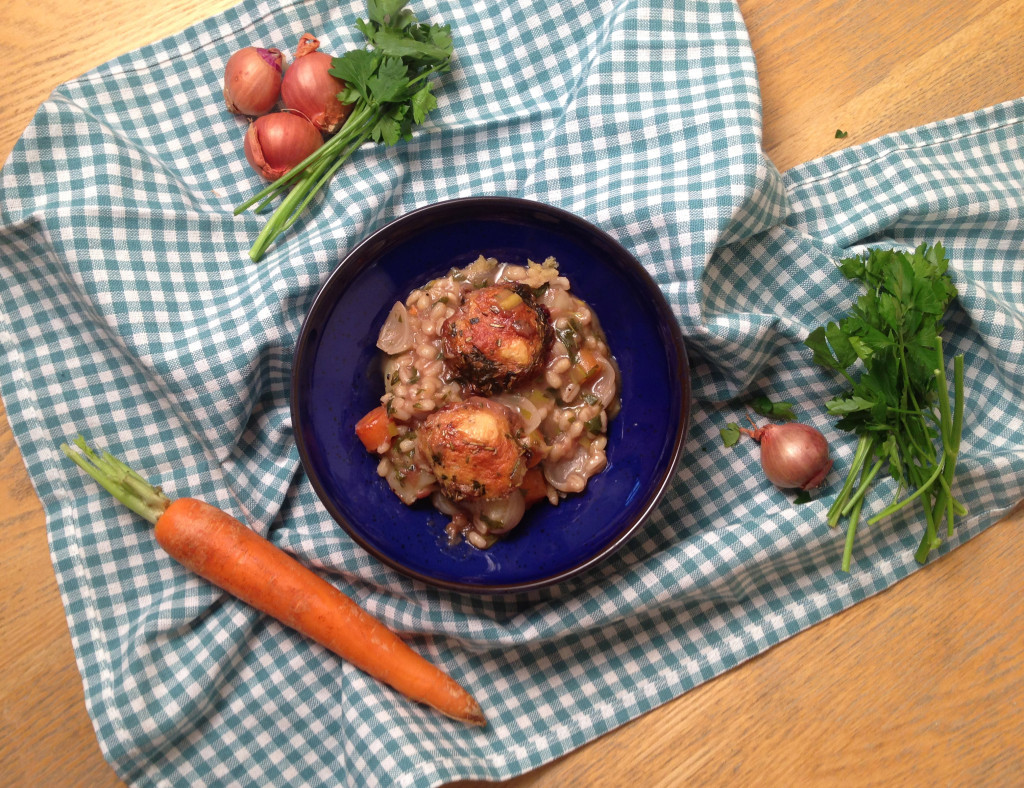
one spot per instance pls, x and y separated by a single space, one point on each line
385 12
396 44
773 410
355 68
730 434
423 101
390 81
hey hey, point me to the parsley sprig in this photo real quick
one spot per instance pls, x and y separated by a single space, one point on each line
389 85
899 404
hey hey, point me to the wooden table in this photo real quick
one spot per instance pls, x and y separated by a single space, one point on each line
922 684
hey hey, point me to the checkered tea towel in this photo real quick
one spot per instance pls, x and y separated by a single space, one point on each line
132 313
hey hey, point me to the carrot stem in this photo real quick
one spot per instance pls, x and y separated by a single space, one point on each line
218 547
119 480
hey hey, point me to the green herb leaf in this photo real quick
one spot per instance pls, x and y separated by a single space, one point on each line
390 82
390 126
853 267
851 404
441 37
383 12
823 355
355 68
773 410
395 44
839 340
567 336
730 434
840 134
423 101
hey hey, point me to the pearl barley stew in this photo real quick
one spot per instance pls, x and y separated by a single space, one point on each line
498 389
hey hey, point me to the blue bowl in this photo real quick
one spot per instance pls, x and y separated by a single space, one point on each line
337 378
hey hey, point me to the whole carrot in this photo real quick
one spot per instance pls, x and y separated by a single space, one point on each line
221 549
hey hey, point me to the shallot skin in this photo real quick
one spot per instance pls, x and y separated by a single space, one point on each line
793 455
275 143
308 88
252 80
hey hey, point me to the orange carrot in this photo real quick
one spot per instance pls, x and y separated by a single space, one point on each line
534 487
586 367
219 548
374 428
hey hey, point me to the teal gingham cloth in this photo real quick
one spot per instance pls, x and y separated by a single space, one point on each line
131 313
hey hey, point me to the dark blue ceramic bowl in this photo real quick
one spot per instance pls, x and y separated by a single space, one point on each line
337 378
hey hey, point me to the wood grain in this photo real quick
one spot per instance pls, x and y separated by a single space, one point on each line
46 736
870 68
920 685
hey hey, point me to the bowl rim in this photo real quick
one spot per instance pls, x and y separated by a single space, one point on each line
343 274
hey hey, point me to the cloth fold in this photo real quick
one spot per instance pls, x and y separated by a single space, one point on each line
132 314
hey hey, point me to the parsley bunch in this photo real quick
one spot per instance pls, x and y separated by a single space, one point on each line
899 404
389 86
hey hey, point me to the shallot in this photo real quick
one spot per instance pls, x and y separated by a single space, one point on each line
792 454
309 88
277 142
252 80
396 333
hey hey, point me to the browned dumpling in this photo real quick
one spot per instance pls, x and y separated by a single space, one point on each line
475 449
497 338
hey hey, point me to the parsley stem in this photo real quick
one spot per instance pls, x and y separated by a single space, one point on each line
953 451
915 429
327 176
945 417
943 503
851 529
921 490
275 224
851 534
929 542
864 448
951 445
862 489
